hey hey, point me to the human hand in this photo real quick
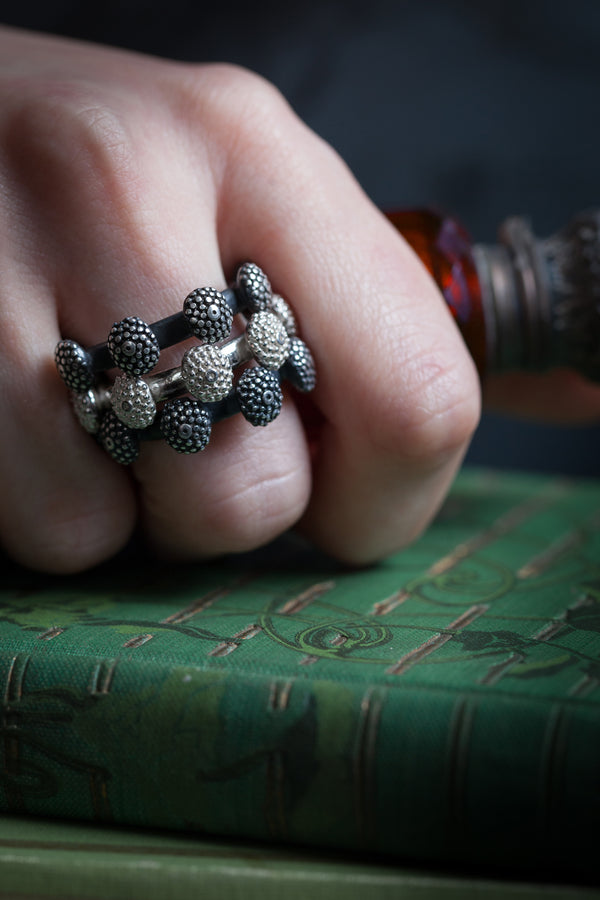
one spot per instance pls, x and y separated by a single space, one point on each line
127 182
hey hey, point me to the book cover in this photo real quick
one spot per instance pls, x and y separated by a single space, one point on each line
441 707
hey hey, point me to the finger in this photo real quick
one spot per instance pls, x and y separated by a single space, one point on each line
397 390
247 487
105 215
250 483
65 506
86 248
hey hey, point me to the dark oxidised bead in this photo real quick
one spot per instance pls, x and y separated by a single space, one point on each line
259 395
209 314
133 346
254 287
118 440
299 368
185 425
74 366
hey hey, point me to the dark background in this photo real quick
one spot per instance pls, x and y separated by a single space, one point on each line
483 109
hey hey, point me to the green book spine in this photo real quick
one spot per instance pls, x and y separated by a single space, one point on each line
442 707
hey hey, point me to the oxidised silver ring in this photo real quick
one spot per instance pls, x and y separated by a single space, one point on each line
181 404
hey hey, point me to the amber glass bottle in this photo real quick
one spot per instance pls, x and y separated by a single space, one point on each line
444 247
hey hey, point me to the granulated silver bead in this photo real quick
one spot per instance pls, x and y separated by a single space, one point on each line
259 395
133 346
185 425
254 287
206 373
118 440
300 366
209 315
132 401
85 407
268 339
74 366
283 311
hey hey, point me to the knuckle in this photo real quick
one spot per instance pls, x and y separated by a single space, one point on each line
241 110
65 129
433 417
230 92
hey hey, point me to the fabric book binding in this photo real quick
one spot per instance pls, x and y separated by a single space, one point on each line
440 707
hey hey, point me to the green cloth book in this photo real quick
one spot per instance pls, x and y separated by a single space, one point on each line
440 708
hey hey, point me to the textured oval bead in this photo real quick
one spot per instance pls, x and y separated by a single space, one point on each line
206 373
268 339
85 407
284 313
300 366
121 442
254 286
133 346
132 401
209 315
259 395
74 366
185 425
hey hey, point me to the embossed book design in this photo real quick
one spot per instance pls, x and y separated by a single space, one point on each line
442 706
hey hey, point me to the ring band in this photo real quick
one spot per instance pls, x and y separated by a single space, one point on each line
181 404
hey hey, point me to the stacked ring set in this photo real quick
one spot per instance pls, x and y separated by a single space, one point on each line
182 404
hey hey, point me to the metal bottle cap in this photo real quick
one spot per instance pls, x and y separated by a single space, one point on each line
541 297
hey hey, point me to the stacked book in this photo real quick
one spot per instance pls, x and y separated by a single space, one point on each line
441 708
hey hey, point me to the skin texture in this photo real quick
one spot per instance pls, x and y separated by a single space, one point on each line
127 182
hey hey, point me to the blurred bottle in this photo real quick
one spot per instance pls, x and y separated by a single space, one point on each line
524 303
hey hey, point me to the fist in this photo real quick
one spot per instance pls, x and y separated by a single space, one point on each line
129 182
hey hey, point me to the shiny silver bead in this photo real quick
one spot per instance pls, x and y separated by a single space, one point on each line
254 286
133 346
283 312
300 366
132 401
121 442
185 425
74 366
85 407
209 315
268 339
259 395
206 373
